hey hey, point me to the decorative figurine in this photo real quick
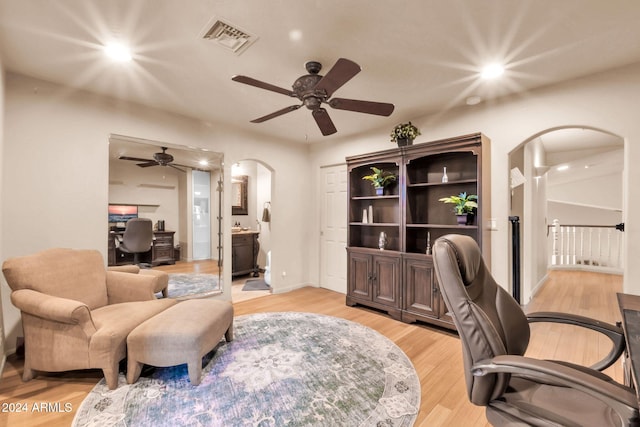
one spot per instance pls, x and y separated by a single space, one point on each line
382 240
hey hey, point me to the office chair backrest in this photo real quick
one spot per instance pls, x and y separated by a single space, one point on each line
489 321
138 235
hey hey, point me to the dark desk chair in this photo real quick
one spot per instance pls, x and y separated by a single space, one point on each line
137 238
494 333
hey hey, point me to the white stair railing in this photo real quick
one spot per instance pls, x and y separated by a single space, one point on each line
591 247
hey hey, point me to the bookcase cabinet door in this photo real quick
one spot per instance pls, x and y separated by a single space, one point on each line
386 280
420 292
360 284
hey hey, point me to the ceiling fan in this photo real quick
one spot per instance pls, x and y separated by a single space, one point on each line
159 159
314 90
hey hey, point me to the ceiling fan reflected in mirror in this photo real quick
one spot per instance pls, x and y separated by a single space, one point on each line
159 159
314 90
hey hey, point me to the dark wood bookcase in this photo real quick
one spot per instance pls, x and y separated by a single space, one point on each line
399 279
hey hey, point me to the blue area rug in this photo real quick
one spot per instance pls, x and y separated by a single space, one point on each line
282 369
181 285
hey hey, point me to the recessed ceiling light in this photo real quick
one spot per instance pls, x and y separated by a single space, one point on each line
295 35
204 162
492 71
562 168
118 52
473 100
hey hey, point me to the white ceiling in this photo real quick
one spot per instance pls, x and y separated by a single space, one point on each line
123 145
424 56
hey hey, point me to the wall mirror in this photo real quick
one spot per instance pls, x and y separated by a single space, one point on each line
239 195
180 189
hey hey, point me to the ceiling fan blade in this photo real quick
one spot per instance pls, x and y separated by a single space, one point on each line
148 163
262 85
135 159
276 114
342 72
175 167
324 121
369 107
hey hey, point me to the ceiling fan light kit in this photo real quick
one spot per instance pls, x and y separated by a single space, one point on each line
313 90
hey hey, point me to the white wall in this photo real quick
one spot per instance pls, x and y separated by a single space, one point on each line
4 295
606 101
263 195
603 191
56 162
568 213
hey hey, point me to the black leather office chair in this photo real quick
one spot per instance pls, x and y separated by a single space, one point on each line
494 332
137 238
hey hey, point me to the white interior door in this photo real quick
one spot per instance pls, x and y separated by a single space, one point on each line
333 231
201 215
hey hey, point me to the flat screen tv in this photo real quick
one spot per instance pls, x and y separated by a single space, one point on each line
122 213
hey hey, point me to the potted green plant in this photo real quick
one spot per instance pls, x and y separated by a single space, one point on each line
404 134
380 179
463 206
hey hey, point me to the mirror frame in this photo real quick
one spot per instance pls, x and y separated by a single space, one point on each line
239 205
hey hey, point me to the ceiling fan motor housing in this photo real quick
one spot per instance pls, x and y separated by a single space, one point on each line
304 88
163 158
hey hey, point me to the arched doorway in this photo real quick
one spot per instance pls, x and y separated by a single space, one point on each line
254 218
571 174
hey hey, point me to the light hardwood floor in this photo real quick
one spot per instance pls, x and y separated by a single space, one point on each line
434 353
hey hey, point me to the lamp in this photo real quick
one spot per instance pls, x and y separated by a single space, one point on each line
266 214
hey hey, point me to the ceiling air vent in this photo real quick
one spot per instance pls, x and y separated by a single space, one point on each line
228 36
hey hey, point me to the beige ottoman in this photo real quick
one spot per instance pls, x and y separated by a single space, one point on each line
183 333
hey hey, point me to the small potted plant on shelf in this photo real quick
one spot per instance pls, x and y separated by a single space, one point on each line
380 179
404 134
463 206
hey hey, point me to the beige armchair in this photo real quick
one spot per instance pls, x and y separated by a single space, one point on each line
75 313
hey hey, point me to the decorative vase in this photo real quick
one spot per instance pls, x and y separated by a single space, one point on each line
445 177
382 240
379 191
464 219
403 142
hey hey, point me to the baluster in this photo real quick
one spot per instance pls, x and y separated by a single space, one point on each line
555 252
573 252
599 246
609 263
561 245
582 245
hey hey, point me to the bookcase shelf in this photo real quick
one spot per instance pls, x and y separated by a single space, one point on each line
400 279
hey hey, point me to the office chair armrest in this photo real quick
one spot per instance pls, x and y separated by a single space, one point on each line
54 309
613 332
127 287
621 399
